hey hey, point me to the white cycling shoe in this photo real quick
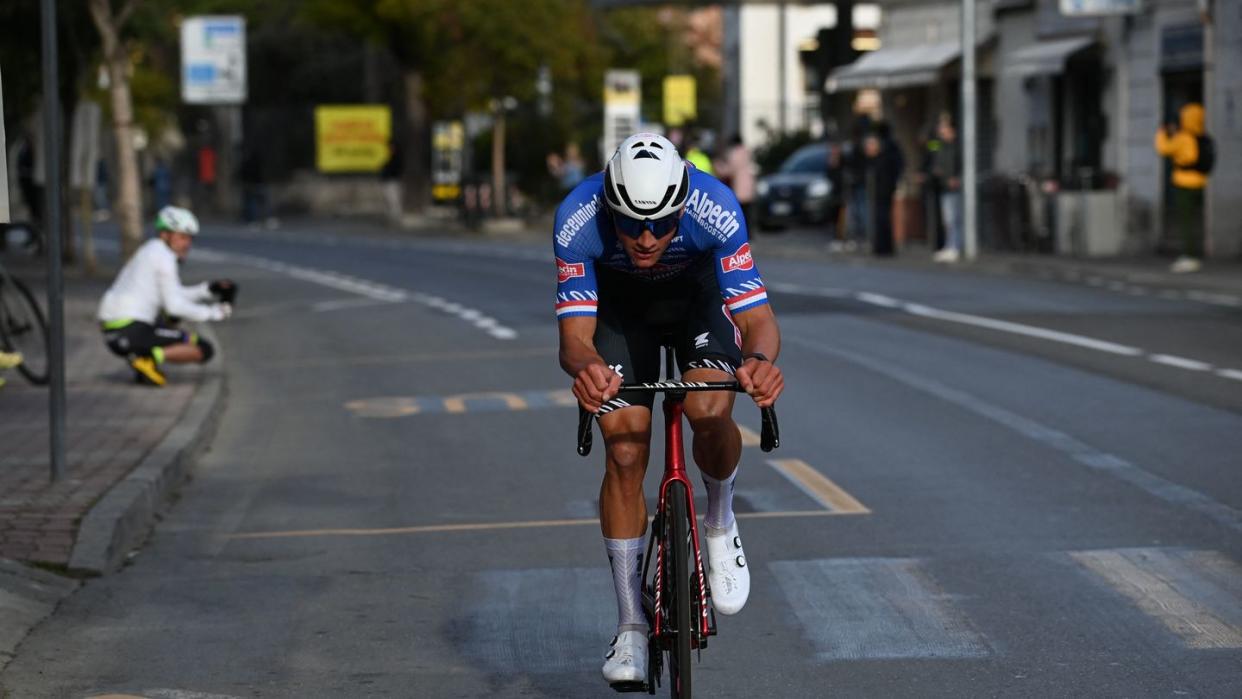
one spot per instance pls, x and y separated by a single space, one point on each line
726 570
626 660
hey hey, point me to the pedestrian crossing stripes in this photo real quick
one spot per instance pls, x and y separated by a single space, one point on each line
874 609
519 627
1197 595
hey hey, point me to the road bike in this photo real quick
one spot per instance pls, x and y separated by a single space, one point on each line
23 328
676 594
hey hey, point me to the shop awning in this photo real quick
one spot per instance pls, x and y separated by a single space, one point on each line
1045 57
904 66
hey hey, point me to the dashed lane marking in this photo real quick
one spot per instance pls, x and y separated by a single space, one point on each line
818 487
1197 595
364 287
1099 461
1082 341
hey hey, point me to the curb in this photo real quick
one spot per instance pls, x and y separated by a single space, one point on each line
121 520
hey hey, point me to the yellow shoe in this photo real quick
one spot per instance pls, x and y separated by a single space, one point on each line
146 371
8 360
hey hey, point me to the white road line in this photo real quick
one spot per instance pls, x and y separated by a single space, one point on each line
1017 329
1020 329
1180 362
1095 459
363 287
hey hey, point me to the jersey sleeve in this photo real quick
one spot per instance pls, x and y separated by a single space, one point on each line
576 245
741 287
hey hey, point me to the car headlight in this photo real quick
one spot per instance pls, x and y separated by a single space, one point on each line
762 188
819 188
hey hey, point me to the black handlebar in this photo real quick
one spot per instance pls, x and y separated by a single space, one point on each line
770 433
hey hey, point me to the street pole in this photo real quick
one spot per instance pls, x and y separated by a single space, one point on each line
970 191
51 235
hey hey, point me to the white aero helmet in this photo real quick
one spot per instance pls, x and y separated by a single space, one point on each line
646 178
176 220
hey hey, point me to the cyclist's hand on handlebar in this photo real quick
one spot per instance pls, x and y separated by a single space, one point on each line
594 385
762 380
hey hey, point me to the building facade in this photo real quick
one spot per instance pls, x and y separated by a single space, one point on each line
1068 108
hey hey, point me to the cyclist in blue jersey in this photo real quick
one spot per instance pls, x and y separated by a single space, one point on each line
653 250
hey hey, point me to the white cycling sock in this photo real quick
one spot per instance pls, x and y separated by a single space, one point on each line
719 501
625 556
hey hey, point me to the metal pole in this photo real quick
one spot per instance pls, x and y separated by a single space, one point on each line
970 192
781 41
51 235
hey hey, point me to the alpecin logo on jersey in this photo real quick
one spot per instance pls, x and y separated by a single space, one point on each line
717 220
568 270
739 260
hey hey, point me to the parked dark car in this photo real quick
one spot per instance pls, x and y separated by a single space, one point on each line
798 192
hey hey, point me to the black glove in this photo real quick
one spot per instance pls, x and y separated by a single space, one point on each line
225 290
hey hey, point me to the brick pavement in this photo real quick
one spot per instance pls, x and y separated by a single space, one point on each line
111 424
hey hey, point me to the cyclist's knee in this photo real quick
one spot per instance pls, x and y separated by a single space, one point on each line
628 458
710 415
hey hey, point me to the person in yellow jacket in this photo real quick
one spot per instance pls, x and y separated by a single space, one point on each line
1190 176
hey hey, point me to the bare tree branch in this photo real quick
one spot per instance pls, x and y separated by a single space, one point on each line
126 10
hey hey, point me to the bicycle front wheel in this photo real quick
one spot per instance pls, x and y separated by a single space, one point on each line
23 329
681 608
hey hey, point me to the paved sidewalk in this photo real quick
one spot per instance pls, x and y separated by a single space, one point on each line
126 449
110 425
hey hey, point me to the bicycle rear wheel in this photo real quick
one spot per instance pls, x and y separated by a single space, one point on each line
23 329
681 609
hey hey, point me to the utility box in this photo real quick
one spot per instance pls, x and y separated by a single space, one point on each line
1089 223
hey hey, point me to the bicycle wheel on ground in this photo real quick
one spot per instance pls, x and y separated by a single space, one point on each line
681 609
23 329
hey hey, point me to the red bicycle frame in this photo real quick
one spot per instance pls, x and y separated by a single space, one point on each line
675 471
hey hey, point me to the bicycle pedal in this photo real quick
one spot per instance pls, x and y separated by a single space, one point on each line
629 686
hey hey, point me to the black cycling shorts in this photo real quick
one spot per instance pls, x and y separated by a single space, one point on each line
637 316
139 338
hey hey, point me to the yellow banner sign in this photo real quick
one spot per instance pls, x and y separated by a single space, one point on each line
352 138
680 105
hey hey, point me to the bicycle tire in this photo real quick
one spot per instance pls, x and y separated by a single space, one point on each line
681 609
23 328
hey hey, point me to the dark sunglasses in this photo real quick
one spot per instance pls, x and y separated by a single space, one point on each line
633 228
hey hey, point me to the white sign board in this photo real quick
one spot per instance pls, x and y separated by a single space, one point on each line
213 60
4 164
1083 8
622 108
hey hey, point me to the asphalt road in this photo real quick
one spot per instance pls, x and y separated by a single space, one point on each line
988 486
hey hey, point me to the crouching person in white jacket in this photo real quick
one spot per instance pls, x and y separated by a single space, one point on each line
134 311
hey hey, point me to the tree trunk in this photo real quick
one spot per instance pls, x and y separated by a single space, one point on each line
415 158
128 207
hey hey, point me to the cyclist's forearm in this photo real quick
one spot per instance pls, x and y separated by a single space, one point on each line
760 333
577 354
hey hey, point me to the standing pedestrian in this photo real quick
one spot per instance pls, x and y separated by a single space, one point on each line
947 171
737 169
884 167
1193 154
854 177
836 202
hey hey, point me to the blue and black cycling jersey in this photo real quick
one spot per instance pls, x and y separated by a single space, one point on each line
712 225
